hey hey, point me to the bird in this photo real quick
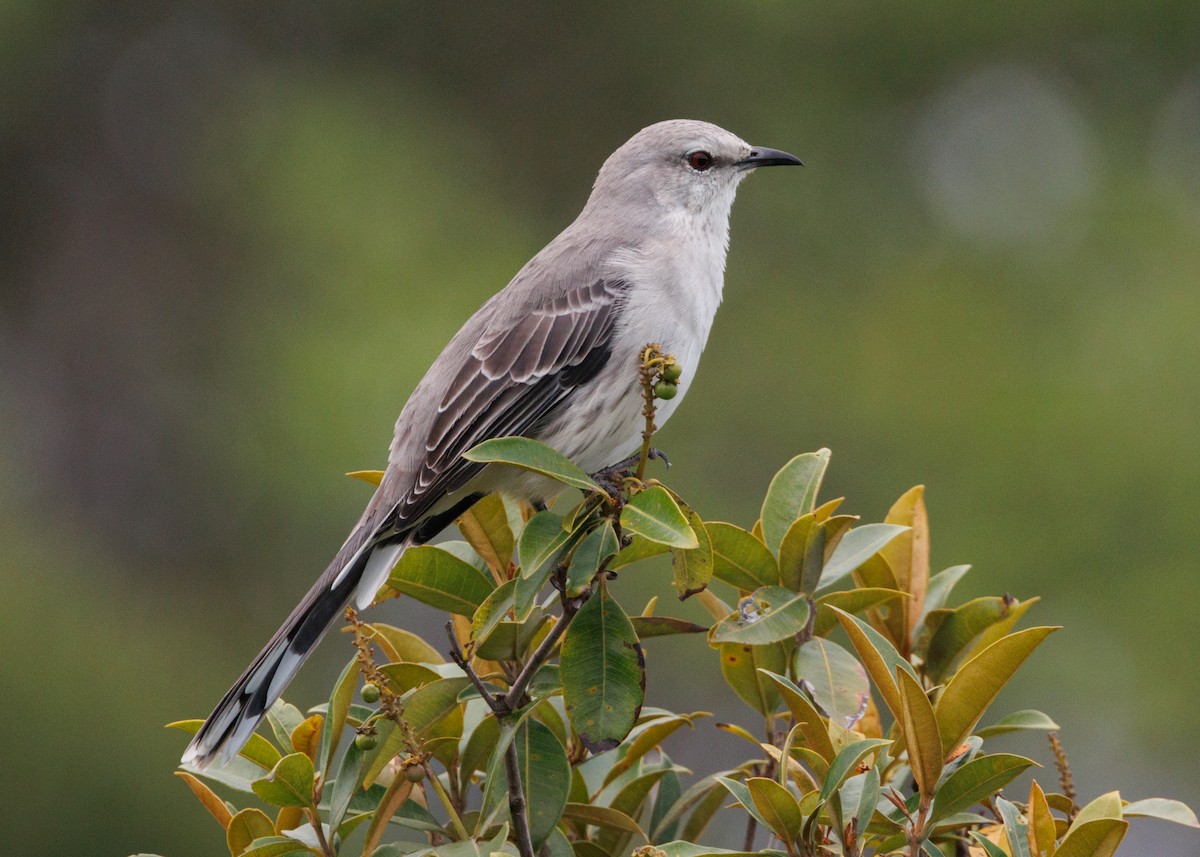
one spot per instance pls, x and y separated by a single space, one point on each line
553 357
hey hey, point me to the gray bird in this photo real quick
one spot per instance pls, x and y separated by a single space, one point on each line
554 357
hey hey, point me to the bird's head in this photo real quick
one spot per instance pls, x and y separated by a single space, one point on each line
681 165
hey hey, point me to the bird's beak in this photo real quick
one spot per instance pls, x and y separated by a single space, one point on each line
763 157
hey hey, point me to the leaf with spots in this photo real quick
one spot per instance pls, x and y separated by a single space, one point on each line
603 673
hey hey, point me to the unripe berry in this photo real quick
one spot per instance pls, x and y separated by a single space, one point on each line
365 741
414 773
672 372
369 693
665 390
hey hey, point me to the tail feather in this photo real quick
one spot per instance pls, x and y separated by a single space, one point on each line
245 704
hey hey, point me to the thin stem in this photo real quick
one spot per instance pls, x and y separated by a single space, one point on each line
516 802
455 819
314 818
751 829
651 365
541 654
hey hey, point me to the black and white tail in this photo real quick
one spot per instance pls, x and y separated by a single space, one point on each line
356 573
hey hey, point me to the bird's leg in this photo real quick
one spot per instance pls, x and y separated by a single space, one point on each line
611 478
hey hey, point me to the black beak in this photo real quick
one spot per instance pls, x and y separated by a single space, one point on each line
761 157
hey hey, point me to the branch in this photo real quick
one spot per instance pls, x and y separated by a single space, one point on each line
516 802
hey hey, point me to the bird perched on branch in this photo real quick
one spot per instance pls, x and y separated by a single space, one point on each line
553 356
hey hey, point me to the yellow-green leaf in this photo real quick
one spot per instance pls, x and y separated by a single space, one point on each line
740 559
921 738
245 827
837 681
693 567
290 782
967 696
852 601
653 514
740 663
812 725
1041 823
778 807
485 527
1097 838
768 614
401 645
879 658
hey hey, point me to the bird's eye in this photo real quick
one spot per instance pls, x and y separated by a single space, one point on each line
700 161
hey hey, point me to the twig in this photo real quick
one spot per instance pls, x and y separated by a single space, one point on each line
516 802
1064 772
570 606
648 370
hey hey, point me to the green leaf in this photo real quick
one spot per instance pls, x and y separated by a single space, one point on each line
852 601
921 738
531 455
545 777
542 544
650 737
602 816
802 554
653 514
974 781
805 715
630 799
855 548
940 586
846 763
1015 828
740 665
693 567
249 824
1163 808
770 613
837 681
792 494
349 777
1107 805
778 807
336 713
485 527
441 580
277 846
603 672
493 610
740 559
283 718
593 550
1098 838
1018 721
967 696
637 550
878 656
663 626
290 782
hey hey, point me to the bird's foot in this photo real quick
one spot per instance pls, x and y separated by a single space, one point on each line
612 478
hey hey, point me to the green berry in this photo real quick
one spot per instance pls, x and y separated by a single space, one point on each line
365 741
665 390
672 372
369 693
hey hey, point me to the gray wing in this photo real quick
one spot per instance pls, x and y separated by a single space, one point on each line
514 381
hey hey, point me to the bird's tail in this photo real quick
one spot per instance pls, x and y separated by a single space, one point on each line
357 573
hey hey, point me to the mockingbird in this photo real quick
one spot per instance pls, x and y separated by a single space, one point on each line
554 357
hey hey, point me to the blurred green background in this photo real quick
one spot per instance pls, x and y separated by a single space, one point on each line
234 235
